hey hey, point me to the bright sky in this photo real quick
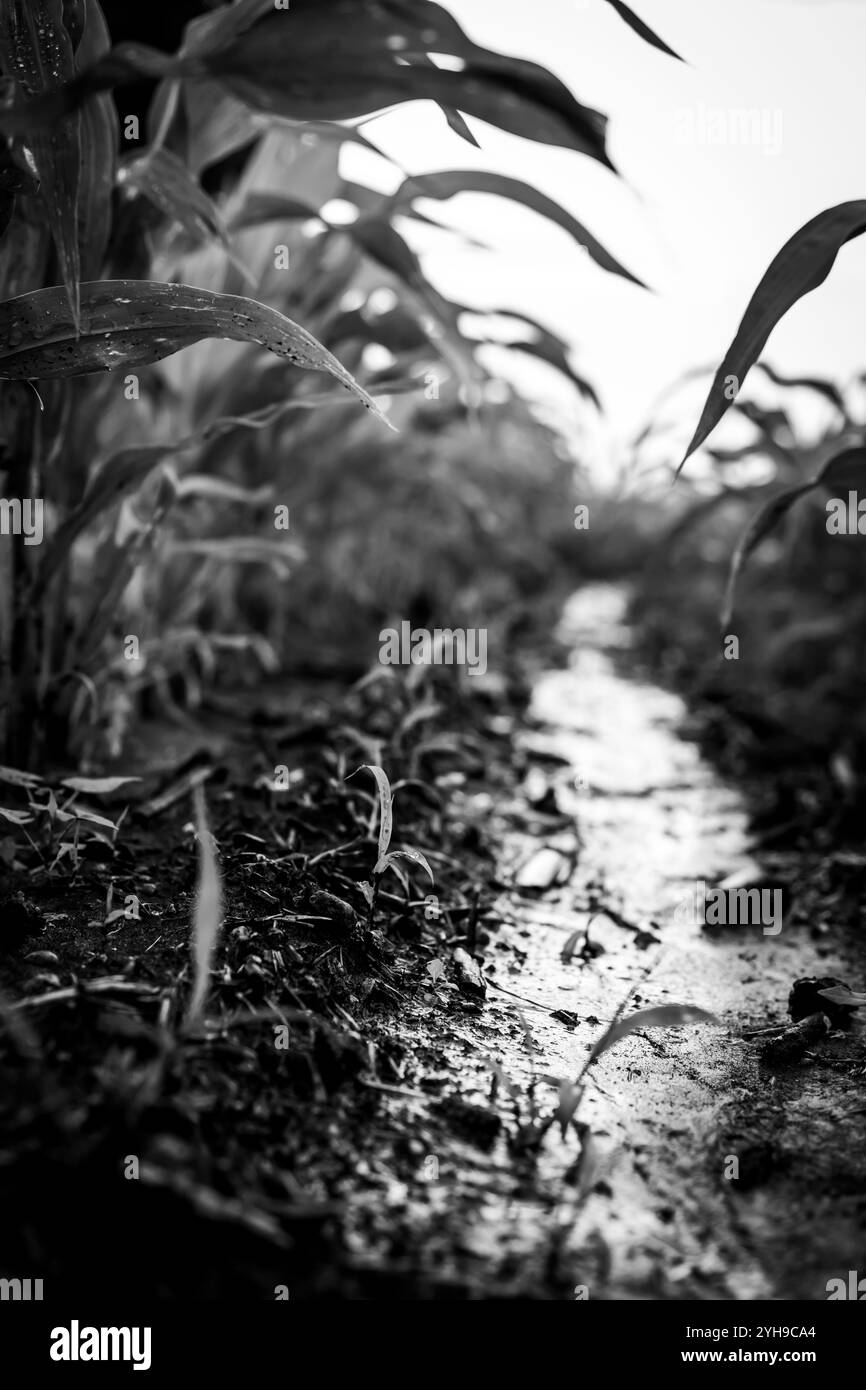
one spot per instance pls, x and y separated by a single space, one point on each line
697 219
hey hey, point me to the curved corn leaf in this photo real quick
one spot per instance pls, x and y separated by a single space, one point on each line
458 124
280 555
111 568
802 265
217 124
97 786
396 329
212 32
334 60
455 120
208 911
384 244
36 50
768 422
14 777
164 180
127 62
278 207
121 475
664 1016
128 323
745 451
448 183
386 805
760 526
220 489
824 388
387 861
636 23
547 348
271 207
843 994
844 470
693 516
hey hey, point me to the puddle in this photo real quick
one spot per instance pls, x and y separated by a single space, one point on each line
651 817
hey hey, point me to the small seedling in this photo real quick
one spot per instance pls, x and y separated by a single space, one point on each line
387 858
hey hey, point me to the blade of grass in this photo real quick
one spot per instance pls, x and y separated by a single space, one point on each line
208 911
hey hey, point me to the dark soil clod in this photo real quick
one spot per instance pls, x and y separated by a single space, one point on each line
805 999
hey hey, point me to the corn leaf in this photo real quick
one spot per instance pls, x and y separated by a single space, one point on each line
118 477
803 264
546 346
334 60
122 473
208 911
14 777
448 183
843 470
163 179
547 349
387 861
280 555
271 207
212 32
217 124
636 23
384 244
97 786
664 1016
36 51
822 387
386 806
99 142
130 323
842 994
760 526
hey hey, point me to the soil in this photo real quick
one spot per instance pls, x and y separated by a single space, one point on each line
384 1106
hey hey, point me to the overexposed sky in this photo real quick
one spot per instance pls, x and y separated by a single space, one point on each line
704 200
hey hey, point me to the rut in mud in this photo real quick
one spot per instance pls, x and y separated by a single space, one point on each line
707 1173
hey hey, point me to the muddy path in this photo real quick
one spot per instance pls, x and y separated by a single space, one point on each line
411 1138
706 1172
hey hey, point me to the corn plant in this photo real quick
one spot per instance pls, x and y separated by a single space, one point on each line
119 248
386 857
802 265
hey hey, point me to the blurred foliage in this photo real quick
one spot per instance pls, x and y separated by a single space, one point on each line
791 705
162 481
